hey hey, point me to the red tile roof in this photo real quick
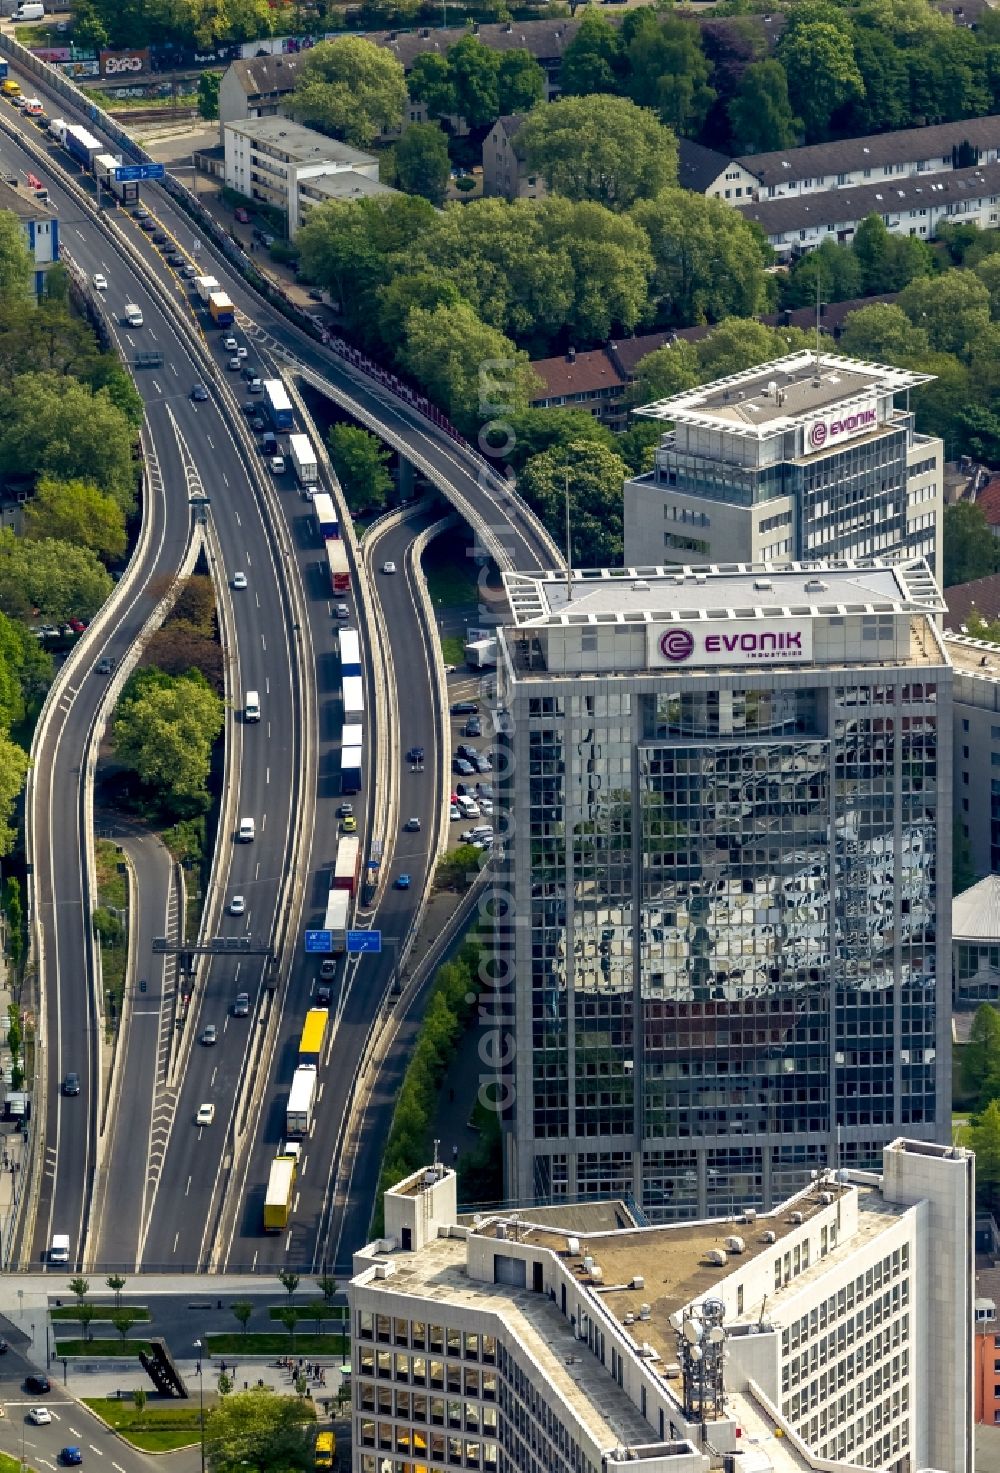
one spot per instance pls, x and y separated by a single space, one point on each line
980 596
988 501
588 373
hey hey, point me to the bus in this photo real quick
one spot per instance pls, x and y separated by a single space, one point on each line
326 1448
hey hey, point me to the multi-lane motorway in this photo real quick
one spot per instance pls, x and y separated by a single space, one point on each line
199 1168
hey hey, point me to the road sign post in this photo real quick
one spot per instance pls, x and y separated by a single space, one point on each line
134 173
364 941
319 943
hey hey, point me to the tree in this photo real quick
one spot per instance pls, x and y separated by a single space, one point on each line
289 1282
669 70
116 1283
822 71
595 476
737 344
242 1309
988 271
709 260
59 580
25 672
457 869
225 1383
599 148
57 427
139 1400
327 1286
425 288
520 81
430 82
353 88
881 333
208 95
475 78
79 1287
940 404
123 1320
952 309
360 460
533 431
86 1314
834 267
164 730
465 366
76 511
16 264
289 1316
422 165
666 371
637 446
970 551
984 1132
760 114
593 57
275 1430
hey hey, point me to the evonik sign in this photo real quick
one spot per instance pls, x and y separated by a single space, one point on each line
734 642
844 424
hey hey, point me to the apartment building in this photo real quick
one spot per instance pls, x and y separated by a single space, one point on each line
292 168
39 226
728 795
832 1333
810 456
505 172
976 729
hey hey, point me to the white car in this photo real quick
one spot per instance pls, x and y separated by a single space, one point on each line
453 813
389 566
230 344
239 580
205 1115
341 611
237 906
277 465
100 282
40 1416
247 831
233 363
241 353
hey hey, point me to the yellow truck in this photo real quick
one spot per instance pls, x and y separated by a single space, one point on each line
326 1450
10 88
280 1186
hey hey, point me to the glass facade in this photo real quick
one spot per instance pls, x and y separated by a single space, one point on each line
733 903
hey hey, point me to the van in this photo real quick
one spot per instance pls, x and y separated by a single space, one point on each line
251 706
467 806
30 10
247 831
59 1251
132 316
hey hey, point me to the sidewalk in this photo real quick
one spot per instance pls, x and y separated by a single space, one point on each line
13 1163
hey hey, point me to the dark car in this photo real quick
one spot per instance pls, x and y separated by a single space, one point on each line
71 1084
315 295
160 237
464 750
415 754
465 708
474 727
71 1457
258 422
463 768
323 995
250 371
148 225
37 1385
175 259
140 213
248 406
199 393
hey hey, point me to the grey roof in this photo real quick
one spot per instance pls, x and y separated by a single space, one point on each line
698 166
260 75
302 145
975 914
347 184
844 207
726 590
907 145
23 203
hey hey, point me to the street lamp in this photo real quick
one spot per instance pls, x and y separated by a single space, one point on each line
201 1402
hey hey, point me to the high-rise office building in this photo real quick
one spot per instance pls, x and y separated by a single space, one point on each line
833 1333
727 794
810 457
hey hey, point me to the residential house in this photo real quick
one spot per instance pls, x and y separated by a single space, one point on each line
39 226
505 174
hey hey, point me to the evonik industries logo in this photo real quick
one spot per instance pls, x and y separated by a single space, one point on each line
835 428
677 645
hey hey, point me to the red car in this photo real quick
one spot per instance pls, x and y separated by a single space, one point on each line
78 625
242 216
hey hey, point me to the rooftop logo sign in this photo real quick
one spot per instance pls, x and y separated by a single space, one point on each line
833 429
733 642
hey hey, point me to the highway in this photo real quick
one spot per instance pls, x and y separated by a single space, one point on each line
194 445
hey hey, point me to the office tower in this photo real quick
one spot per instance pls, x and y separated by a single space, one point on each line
728 804
837 1328
807 457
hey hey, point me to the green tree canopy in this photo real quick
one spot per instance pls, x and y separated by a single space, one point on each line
669 370
981 1055
475 79
592 59
985 1136
834 267
465 365
709 260
760 114
599 148
14 765
596 479
208 95
520 81
535 431
422 165
881 333
360 460
25 671
953 309
739 343
822 72
888 262
430 82
76 511
970 550
610 265
164 730
57 427
16 265
58 579
272 1432
351 87
669 71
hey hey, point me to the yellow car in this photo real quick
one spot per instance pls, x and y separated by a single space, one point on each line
349 825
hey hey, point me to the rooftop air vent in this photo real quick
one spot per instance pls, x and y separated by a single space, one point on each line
716 1256
795 1218
769 1237
826 1198
735 1244
816 585
573 1246
638 1282
763 585
750 1215
640 586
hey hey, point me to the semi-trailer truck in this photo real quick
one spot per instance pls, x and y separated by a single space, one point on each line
313 1034
350 652
280 1186
347 865
350 768
324 511
205 286
301 1098
338 908
81 145
279 406
340 568
105 165
303 459
222 310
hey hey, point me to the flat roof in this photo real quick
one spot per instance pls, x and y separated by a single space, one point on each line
975 914
777 396
302 145
722 591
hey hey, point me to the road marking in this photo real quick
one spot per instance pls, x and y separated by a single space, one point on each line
118 1468
236 515
319 1094
267 775
74 1432
263 644
295 1204
156 386
302 1168
152 334
267 685
177 1234
288 1243
210 444
94 1449
211 1082
253 1266
173 368
225 478
188 1187
263 822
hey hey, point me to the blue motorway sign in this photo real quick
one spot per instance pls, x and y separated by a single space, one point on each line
129 173
319 942
364 941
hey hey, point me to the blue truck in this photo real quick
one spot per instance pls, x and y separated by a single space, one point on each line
279 406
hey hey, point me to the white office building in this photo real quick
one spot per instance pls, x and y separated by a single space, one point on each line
811 456
833 1333
724 796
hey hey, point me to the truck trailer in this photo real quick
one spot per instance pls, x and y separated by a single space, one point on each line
338 909
350 769
301 1098
222 310
279 406
205 286
324 511
303 460
81 145
347 865
350 652
280 1186
313 1035
354 697
340 569
105 165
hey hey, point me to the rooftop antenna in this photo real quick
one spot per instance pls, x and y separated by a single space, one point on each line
569 544
437 1147
818 314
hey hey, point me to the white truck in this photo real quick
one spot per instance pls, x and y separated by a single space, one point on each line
303 459
301 1098
481 654
205 286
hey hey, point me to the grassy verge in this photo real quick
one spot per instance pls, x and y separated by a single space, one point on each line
129 104
154 1429
451 575
307 1309
104 1312
13 1465
96 1347
112 895
452 649
277 1344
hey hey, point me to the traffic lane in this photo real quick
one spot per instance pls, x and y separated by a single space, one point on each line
142 1052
